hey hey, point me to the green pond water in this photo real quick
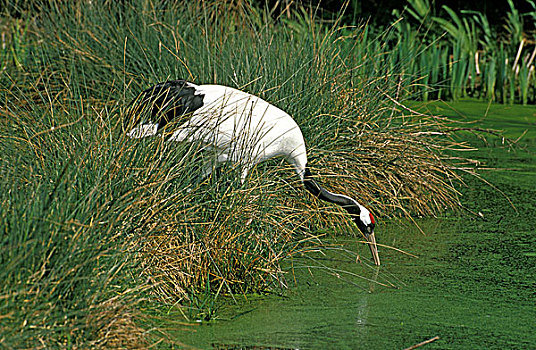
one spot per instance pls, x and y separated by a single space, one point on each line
473 284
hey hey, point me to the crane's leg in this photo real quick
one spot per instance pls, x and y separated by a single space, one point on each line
210 165
244 173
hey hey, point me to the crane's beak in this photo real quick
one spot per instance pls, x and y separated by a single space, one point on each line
371 240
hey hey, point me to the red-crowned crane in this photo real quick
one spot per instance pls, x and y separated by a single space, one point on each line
241 128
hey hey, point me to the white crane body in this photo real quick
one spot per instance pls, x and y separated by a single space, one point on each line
243 129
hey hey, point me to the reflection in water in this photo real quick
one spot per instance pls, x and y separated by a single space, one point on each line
328 302
363 306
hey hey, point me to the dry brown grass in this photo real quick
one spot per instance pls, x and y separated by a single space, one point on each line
227 247
117 325
401 165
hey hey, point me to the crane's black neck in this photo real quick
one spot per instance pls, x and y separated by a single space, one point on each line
349 204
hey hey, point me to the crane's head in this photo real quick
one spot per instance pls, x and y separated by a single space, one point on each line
365 221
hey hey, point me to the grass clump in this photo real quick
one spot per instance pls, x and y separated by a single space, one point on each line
95 226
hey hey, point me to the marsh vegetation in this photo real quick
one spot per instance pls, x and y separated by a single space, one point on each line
99 231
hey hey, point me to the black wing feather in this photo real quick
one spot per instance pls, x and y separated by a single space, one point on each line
166 101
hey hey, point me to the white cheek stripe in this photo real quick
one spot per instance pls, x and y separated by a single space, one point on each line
365 215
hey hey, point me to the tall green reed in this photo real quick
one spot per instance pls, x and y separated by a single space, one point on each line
478 53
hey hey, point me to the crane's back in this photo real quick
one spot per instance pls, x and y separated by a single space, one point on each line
244 127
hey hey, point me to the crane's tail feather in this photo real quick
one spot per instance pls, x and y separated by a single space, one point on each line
165 102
